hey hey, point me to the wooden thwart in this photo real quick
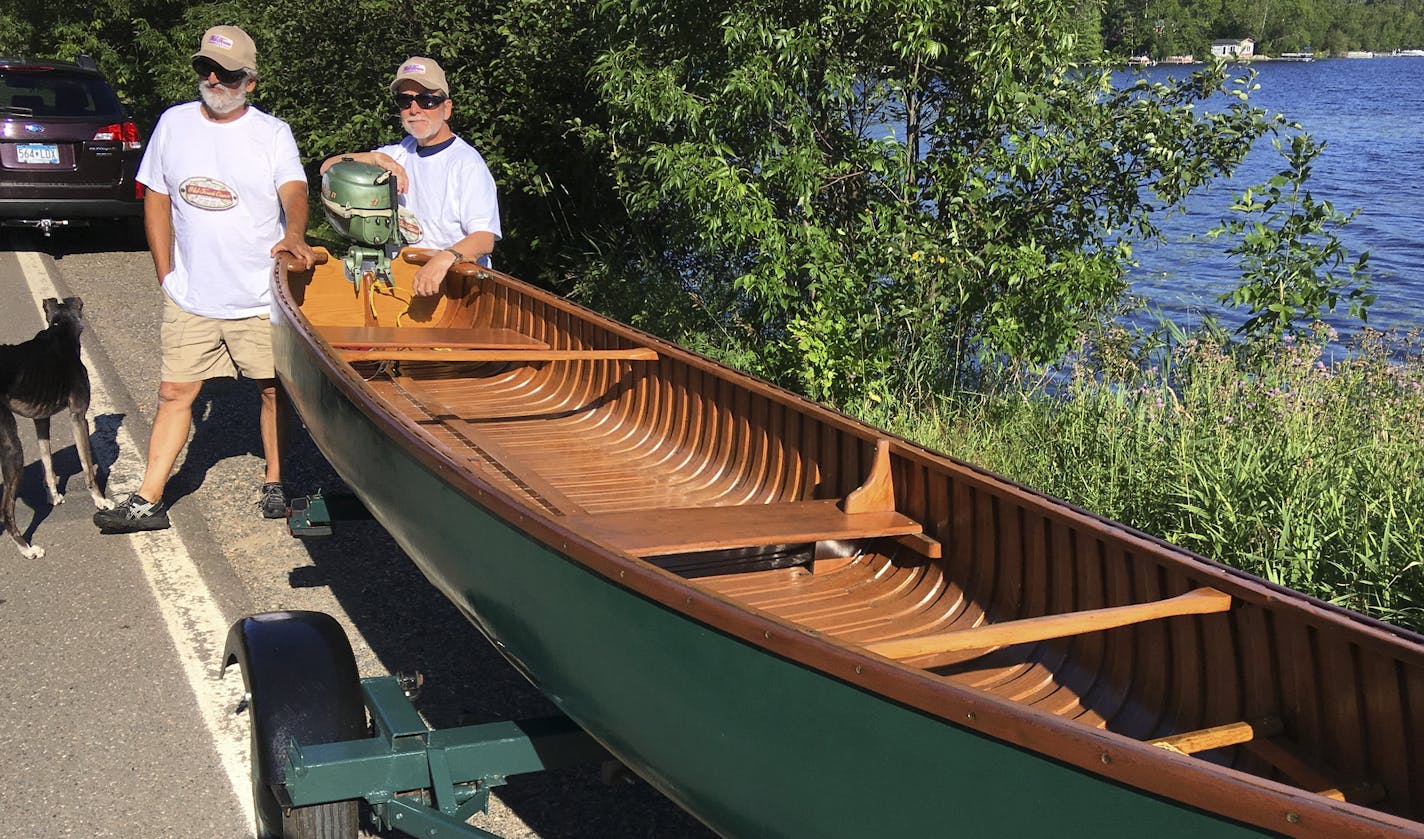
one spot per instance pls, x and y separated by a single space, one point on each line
1307 774
1199 601
434 343
425 337
923 545
688 529
1261 737
513 354
1231 734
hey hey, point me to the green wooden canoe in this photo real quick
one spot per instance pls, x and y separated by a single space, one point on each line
793 624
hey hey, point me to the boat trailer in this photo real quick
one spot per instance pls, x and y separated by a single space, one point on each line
315 755
450 770
324 739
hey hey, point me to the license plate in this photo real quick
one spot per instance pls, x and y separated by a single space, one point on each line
37 152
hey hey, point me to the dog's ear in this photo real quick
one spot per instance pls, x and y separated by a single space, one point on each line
75 303
50 304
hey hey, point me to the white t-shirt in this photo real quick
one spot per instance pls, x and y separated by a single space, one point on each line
451 193
222 180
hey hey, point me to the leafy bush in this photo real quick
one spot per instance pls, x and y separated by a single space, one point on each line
1289 251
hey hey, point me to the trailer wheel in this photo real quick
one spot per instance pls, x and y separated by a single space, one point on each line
337 820
301 685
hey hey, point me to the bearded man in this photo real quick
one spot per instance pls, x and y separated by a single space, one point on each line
447 194
225 194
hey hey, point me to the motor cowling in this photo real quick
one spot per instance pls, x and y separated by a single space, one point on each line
360 202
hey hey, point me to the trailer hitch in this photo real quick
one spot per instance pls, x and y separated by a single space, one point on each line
317 514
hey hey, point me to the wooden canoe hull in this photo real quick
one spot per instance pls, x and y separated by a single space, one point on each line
727 731
762 726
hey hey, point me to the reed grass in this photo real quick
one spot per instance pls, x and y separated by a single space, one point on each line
1301 468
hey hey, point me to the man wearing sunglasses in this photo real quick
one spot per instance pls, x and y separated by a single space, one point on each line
225 195
447 193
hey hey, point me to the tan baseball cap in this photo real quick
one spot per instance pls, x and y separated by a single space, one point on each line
424 72
230 47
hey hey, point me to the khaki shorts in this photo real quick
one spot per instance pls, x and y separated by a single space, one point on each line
196 348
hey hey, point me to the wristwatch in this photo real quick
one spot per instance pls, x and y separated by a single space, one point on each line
459 257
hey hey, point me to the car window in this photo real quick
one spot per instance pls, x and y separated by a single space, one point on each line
51 93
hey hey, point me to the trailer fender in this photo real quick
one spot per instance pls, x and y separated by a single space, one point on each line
302 684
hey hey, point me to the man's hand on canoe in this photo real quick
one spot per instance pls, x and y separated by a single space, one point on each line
430 276
297 248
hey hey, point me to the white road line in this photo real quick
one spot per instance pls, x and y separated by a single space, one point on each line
195 624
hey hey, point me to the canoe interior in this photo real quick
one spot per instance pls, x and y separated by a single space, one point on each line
668 457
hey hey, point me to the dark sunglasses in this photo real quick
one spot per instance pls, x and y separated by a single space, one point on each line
425 100
227 78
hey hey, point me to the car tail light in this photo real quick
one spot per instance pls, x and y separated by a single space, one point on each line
138 190
126 131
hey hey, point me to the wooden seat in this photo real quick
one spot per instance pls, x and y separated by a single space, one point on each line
425 337
688 529
868 512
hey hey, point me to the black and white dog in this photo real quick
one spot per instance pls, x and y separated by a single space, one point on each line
38 379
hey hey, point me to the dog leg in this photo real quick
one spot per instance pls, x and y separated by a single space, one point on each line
12 463
47 461
86 458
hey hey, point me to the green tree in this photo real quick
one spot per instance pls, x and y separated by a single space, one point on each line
1294 267
876 193
128 39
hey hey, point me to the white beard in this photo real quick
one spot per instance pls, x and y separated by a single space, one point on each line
430 127
222 100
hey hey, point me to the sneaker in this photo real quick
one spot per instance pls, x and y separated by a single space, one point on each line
133 515
273 501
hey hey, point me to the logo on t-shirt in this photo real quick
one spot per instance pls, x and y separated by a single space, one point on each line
207 194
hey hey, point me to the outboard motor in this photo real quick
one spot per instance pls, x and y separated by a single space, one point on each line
360 202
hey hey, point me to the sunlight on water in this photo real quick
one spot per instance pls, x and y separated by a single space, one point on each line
1370 114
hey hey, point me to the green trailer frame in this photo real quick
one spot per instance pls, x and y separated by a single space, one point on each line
423 781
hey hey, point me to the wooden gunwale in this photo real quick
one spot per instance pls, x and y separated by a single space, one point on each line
1235 794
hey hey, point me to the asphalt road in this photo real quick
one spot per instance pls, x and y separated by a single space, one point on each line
114 720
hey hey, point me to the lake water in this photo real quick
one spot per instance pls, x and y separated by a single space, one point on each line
1370 113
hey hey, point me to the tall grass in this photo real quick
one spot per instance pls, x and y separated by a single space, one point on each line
1302 469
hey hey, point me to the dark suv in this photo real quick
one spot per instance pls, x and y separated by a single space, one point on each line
68 149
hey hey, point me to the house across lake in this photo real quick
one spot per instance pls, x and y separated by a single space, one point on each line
1234 49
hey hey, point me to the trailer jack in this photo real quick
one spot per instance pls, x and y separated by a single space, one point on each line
422 781
317 515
